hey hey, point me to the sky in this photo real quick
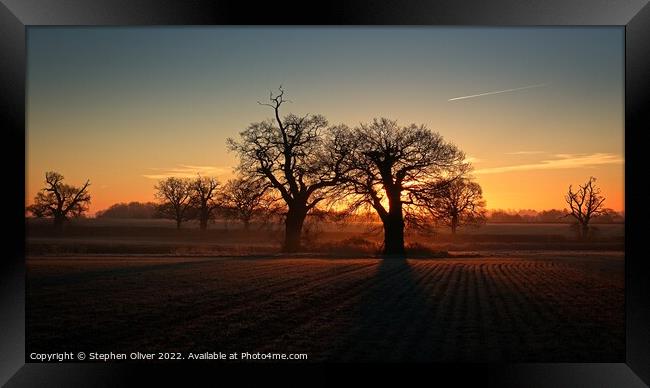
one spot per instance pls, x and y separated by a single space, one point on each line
535 108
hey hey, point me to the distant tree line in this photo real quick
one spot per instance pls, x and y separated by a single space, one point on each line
179 199
553 216
129 210
145 210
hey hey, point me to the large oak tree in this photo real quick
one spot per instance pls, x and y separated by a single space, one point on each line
392 168
300 157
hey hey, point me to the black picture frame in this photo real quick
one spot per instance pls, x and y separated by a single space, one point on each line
17 15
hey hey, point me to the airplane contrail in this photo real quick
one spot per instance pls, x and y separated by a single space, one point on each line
497 92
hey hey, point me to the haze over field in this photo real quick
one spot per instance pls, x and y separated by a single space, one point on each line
124 107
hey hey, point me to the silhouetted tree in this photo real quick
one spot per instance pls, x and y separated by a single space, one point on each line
392 168
243 198
298 156
458 203
59 200
175 196
585 204
203 194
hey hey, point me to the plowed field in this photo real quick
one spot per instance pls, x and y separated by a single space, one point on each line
511 307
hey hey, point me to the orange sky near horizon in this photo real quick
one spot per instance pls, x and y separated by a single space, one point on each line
124 107
514 181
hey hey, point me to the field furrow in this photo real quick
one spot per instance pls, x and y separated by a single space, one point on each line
519 308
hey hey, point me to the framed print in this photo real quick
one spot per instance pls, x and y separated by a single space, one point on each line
454 190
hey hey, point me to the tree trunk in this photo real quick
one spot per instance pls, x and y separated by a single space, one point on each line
293 228
58 222
585 231
204 217
454 224
394 225
178 224
247 224
394 236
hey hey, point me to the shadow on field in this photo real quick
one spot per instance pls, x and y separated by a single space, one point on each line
381 330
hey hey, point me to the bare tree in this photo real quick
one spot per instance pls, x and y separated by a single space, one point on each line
391 169
458 203
242 198
585 204
175 196
203 194
60 201
298 156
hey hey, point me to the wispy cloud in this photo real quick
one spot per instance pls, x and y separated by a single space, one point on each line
471 159
524 153
186 171
497 92
561 161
